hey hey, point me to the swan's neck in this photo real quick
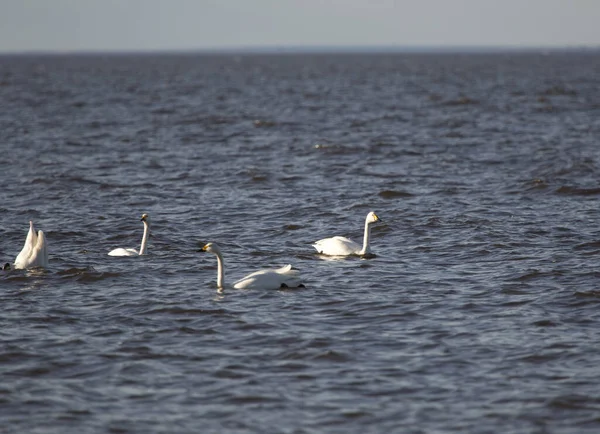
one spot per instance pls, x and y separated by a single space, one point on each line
143 247
366 238
220 271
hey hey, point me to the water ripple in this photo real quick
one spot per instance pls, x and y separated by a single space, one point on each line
478 307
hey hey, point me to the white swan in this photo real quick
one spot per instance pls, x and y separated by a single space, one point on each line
34 252
284 277
143 248
342 246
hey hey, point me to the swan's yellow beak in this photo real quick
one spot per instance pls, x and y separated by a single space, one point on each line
204 248
377 219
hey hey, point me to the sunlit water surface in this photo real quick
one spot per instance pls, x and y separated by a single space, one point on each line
479 312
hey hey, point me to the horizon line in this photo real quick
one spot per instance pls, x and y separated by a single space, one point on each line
315 49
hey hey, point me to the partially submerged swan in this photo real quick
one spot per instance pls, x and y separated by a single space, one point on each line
284 277
143 248
342 246
34 252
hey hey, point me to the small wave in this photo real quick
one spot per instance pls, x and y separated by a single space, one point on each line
263 124
206 120
573 402
558 91
576 191
530 275
182 311
163 111
332 355
230 374
544 323
332 149
463 100
593 245
536 184
254 175
393 194
588 294
534 274
541 358
253 399
86 275
546 109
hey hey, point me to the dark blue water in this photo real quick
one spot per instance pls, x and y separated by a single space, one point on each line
479 313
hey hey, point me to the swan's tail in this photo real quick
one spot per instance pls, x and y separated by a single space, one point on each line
39 254
287 270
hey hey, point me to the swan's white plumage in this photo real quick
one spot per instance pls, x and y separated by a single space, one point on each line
34 252
263 279
270 279
123 252
143 247
30 241
339 246
342 246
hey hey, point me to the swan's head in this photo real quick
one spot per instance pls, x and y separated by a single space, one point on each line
145 218
211 248
372 218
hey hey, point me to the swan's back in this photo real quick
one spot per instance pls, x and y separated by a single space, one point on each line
270 279
123 252
337 246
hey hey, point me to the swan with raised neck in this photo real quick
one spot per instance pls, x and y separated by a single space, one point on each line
143 247
342 246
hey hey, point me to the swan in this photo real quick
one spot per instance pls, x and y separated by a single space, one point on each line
284 277
143 248
342 246
34 252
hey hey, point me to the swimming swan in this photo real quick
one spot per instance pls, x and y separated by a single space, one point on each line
34 252
342 246
143 248
283 277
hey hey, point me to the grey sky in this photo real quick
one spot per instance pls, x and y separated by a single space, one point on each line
67 25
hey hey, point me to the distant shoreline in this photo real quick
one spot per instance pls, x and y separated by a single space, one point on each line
318 50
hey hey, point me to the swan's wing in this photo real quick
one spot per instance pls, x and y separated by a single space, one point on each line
39 253
23 257
123 252
337 246
270 279
287 269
